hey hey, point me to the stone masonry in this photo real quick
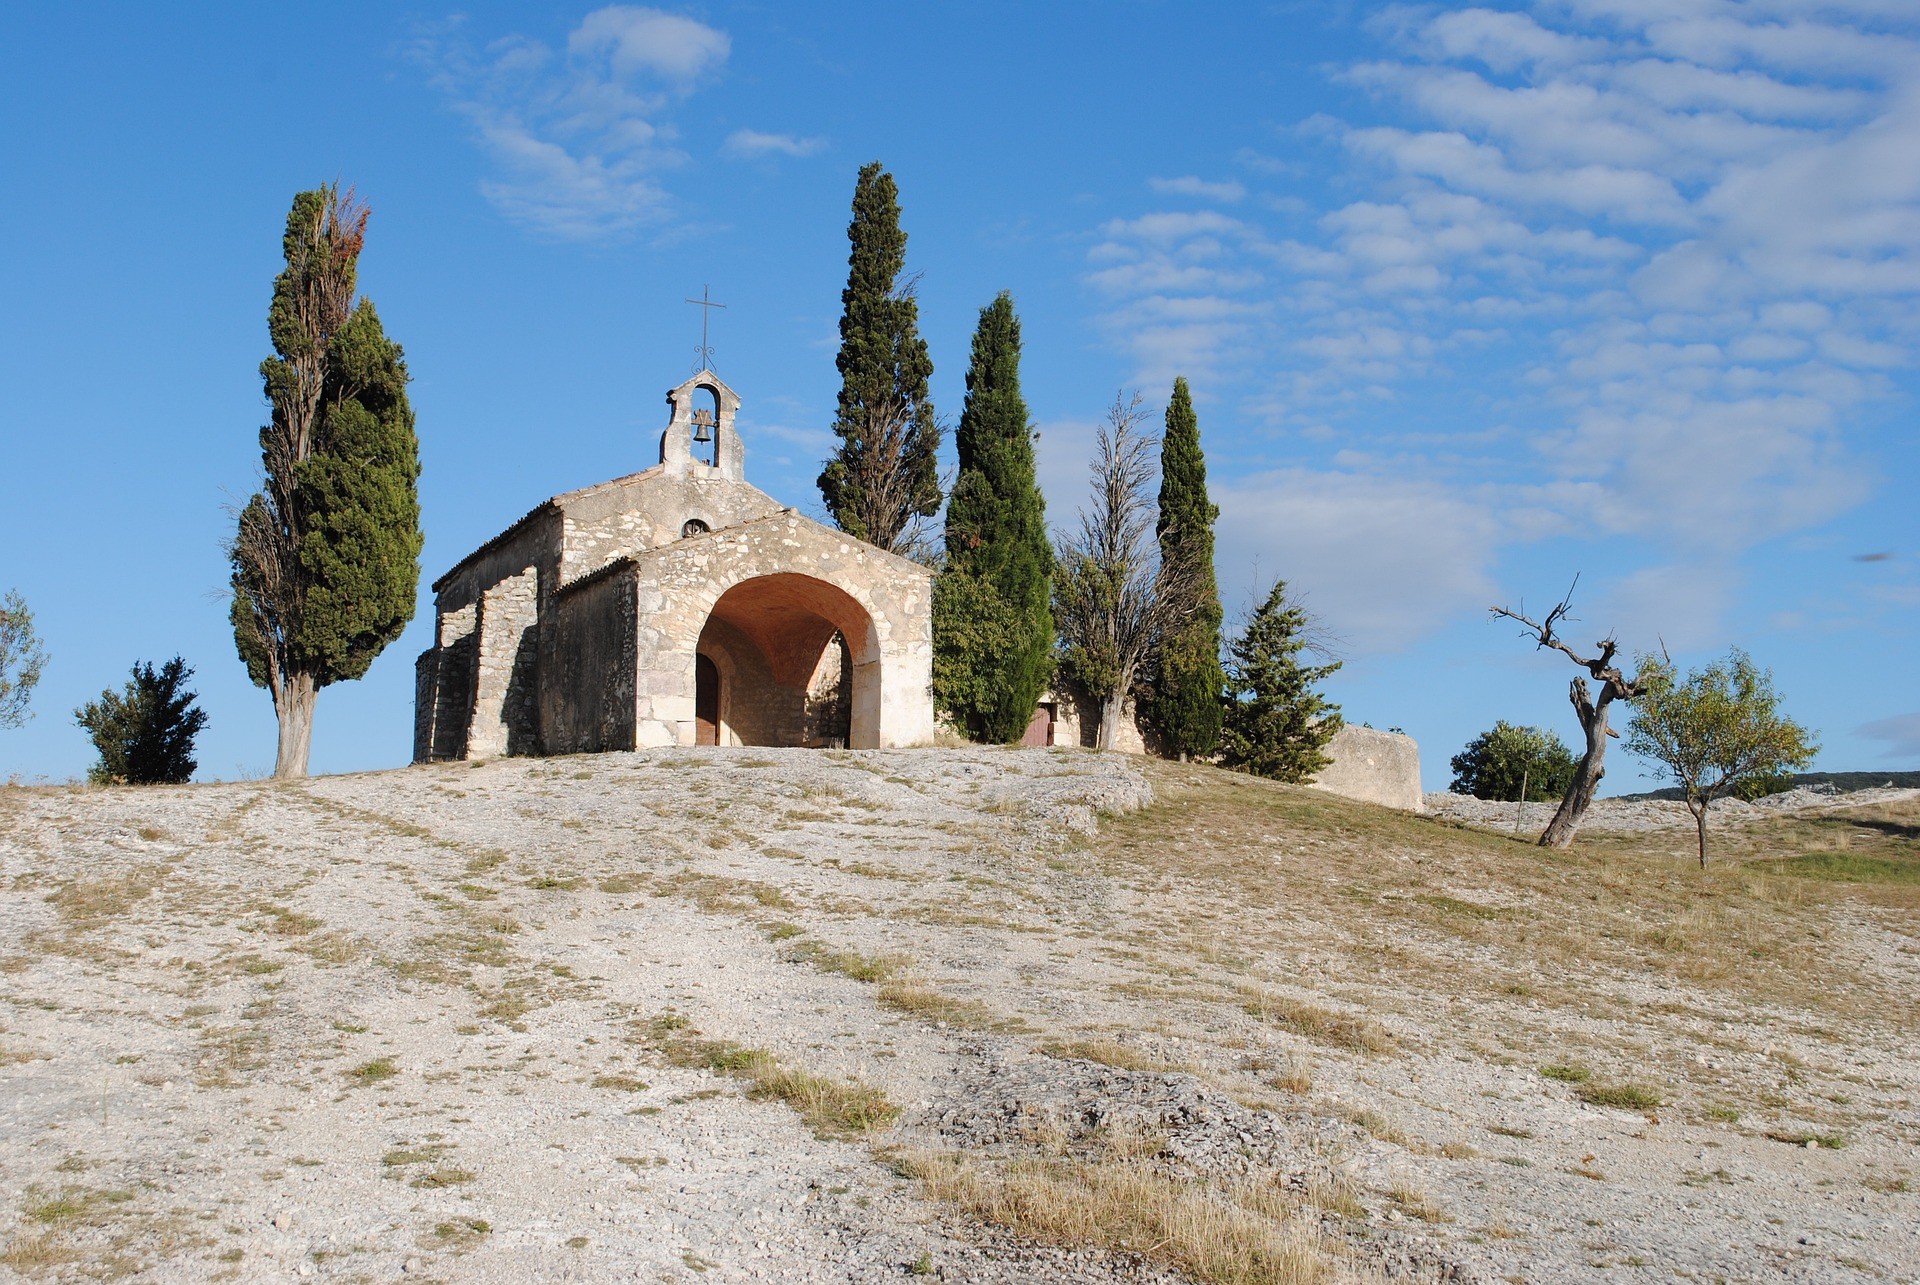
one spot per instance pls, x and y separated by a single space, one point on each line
675 606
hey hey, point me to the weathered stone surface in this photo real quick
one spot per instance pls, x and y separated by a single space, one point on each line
1373 767
577 628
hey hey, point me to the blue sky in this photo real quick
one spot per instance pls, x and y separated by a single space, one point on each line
1472 299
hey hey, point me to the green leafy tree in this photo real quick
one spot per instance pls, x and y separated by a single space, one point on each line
145 732
1187 678
1507 760
1276 724
992 618
885 474
22 660
1713 729
326 560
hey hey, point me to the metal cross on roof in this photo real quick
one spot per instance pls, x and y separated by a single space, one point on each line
705 351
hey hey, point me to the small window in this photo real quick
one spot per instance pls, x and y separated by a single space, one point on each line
692 527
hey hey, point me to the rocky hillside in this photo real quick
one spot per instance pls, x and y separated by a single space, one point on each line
981 1015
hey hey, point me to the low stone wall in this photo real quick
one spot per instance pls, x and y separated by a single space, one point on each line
1373 767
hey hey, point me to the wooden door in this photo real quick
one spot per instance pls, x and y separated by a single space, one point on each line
706 702
1039 727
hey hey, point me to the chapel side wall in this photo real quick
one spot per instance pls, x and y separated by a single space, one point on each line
443 687
586 696
646 512
1076 720
489 611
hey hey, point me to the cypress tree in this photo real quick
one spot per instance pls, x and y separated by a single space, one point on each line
993 625
1188 680
326 561
885 472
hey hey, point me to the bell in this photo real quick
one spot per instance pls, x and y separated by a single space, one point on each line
703 433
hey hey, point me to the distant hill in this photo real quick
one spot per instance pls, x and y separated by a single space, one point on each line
1840 780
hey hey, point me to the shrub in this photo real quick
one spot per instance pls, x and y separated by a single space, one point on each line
145 733
1496 763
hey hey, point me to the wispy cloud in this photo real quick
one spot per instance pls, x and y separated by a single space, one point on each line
581 134
1673 249
1900 734
751 144
1226 191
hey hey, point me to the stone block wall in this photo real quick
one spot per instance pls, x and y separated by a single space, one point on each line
505 707
586 695
1373 767
648 511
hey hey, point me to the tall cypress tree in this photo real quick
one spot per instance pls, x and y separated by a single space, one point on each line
993 623
885 472
1188 680
326 561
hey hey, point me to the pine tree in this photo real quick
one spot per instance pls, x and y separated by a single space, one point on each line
1187 678
326 560
145 733
885 473
1276 724
993 626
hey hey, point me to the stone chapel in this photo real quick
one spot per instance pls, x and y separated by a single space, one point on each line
676 606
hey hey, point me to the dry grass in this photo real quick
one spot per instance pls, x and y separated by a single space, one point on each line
1279 869
831 1108
1121 1057
1244 1235
1315 1022
916 998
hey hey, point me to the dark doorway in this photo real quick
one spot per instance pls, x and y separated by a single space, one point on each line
706 702
1040 727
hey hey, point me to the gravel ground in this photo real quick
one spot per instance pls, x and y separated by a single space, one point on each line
404 1025
1641 816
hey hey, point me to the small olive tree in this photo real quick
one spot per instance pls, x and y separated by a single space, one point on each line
1713 729
21 660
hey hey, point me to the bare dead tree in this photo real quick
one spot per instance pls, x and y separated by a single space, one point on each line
1114 598
885 486
1592 712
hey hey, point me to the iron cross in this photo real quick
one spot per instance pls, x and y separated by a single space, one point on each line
705 304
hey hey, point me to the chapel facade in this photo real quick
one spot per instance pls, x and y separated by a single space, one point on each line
675 606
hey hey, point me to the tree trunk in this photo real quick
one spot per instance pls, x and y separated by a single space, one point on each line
293 699
1700 824
1586 777
1112 710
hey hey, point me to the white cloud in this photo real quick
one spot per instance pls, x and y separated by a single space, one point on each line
1382 559
1901 733
751 144
1674 245
1226 192
636 41
581 135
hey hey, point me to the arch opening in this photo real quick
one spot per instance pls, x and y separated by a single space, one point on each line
796 661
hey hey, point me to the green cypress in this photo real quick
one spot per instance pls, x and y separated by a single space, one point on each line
885 472
326 562
1188 680
993 623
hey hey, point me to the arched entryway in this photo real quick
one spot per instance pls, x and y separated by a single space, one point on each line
794 661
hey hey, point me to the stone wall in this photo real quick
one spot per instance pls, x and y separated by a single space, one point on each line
586 699
648 511
1373 767
505 671
881 604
